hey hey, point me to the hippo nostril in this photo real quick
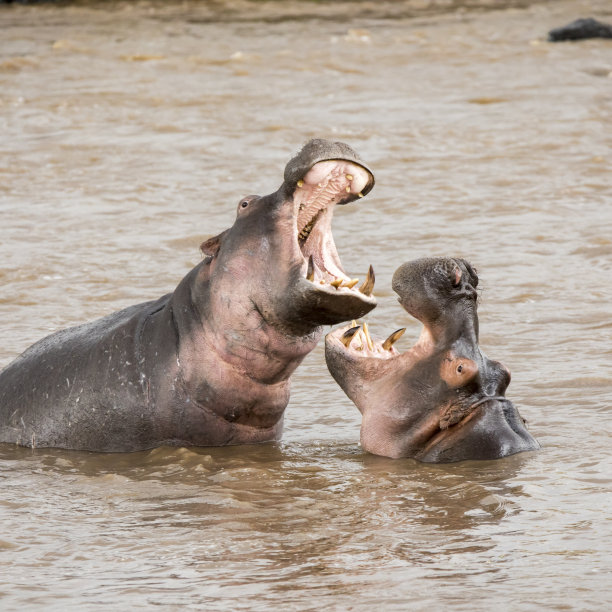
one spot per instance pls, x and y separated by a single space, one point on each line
498 377
490 389
459 369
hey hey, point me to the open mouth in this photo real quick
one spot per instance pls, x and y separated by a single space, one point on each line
358 342
326 184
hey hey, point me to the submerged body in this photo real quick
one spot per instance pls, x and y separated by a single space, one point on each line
210 363
443 400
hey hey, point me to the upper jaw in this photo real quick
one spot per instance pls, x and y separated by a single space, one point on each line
325 185
323 282
319 150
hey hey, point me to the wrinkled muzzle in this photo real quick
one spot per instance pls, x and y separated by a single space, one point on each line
494 429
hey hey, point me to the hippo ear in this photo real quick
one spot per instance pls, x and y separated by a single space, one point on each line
471 270
456 277
211 246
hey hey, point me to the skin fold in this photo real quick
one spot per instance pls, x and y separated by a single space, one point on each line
210 363
443 400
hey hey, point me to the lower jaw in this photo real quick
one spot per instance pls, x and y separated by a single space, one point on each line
326 305
484 434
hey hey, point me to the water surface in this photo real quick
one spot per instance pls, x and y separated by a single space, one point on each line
128 135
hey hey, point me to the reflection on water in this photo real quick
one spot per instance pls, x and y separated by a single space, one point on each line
291 516
128 135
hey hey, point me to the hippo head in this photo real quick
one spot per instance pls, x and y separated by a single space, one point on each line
272 279
443 400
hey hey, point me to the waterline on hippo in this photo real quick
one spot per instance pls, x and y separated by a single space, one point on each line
209 364
442 400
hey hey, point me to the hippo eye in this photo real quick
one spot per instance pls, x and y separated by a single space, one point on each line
244 204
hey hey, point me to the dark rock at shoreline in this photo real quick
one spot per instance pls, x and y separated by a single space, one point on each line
581 29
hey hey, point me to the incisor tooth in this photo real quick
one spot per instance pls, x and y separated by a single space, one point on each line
367 336
311 269
360 194
336 283
348 335
368 283
353 323
350 284
348 189
300 183
349 177
393 338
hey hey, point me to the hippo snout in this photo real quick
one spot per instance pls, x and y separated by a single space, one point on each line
443 399
494 378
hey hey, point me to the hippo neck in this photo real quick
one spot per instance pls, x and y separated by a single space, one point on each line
232 331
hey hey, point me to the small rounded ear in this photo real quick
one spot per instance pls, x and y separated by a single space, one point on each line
456 277
472 271
211 246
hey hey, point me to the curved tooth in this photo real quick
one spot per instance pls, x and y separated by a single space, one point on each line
366 332
359 345
348 335
350 284
368 283
311 270
336 283
393 338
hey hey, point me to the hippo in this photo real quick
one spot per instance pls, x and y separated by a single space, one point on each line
581 29
442 400
210 363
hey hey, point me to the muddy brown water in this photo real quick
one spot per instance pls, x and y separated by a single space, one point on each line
129 132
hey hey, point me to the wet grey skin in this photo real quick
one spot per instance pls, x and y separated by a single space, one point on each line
209 364
443 400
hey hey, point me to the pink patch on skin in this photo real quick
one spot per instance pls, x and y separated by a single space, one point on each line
457 371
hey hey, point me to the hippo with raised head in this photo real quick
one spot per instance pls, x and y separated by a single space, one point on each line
210 363
442 400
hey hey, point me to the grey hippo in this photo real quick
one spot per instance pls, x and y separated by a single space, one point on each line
210 363
442 400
